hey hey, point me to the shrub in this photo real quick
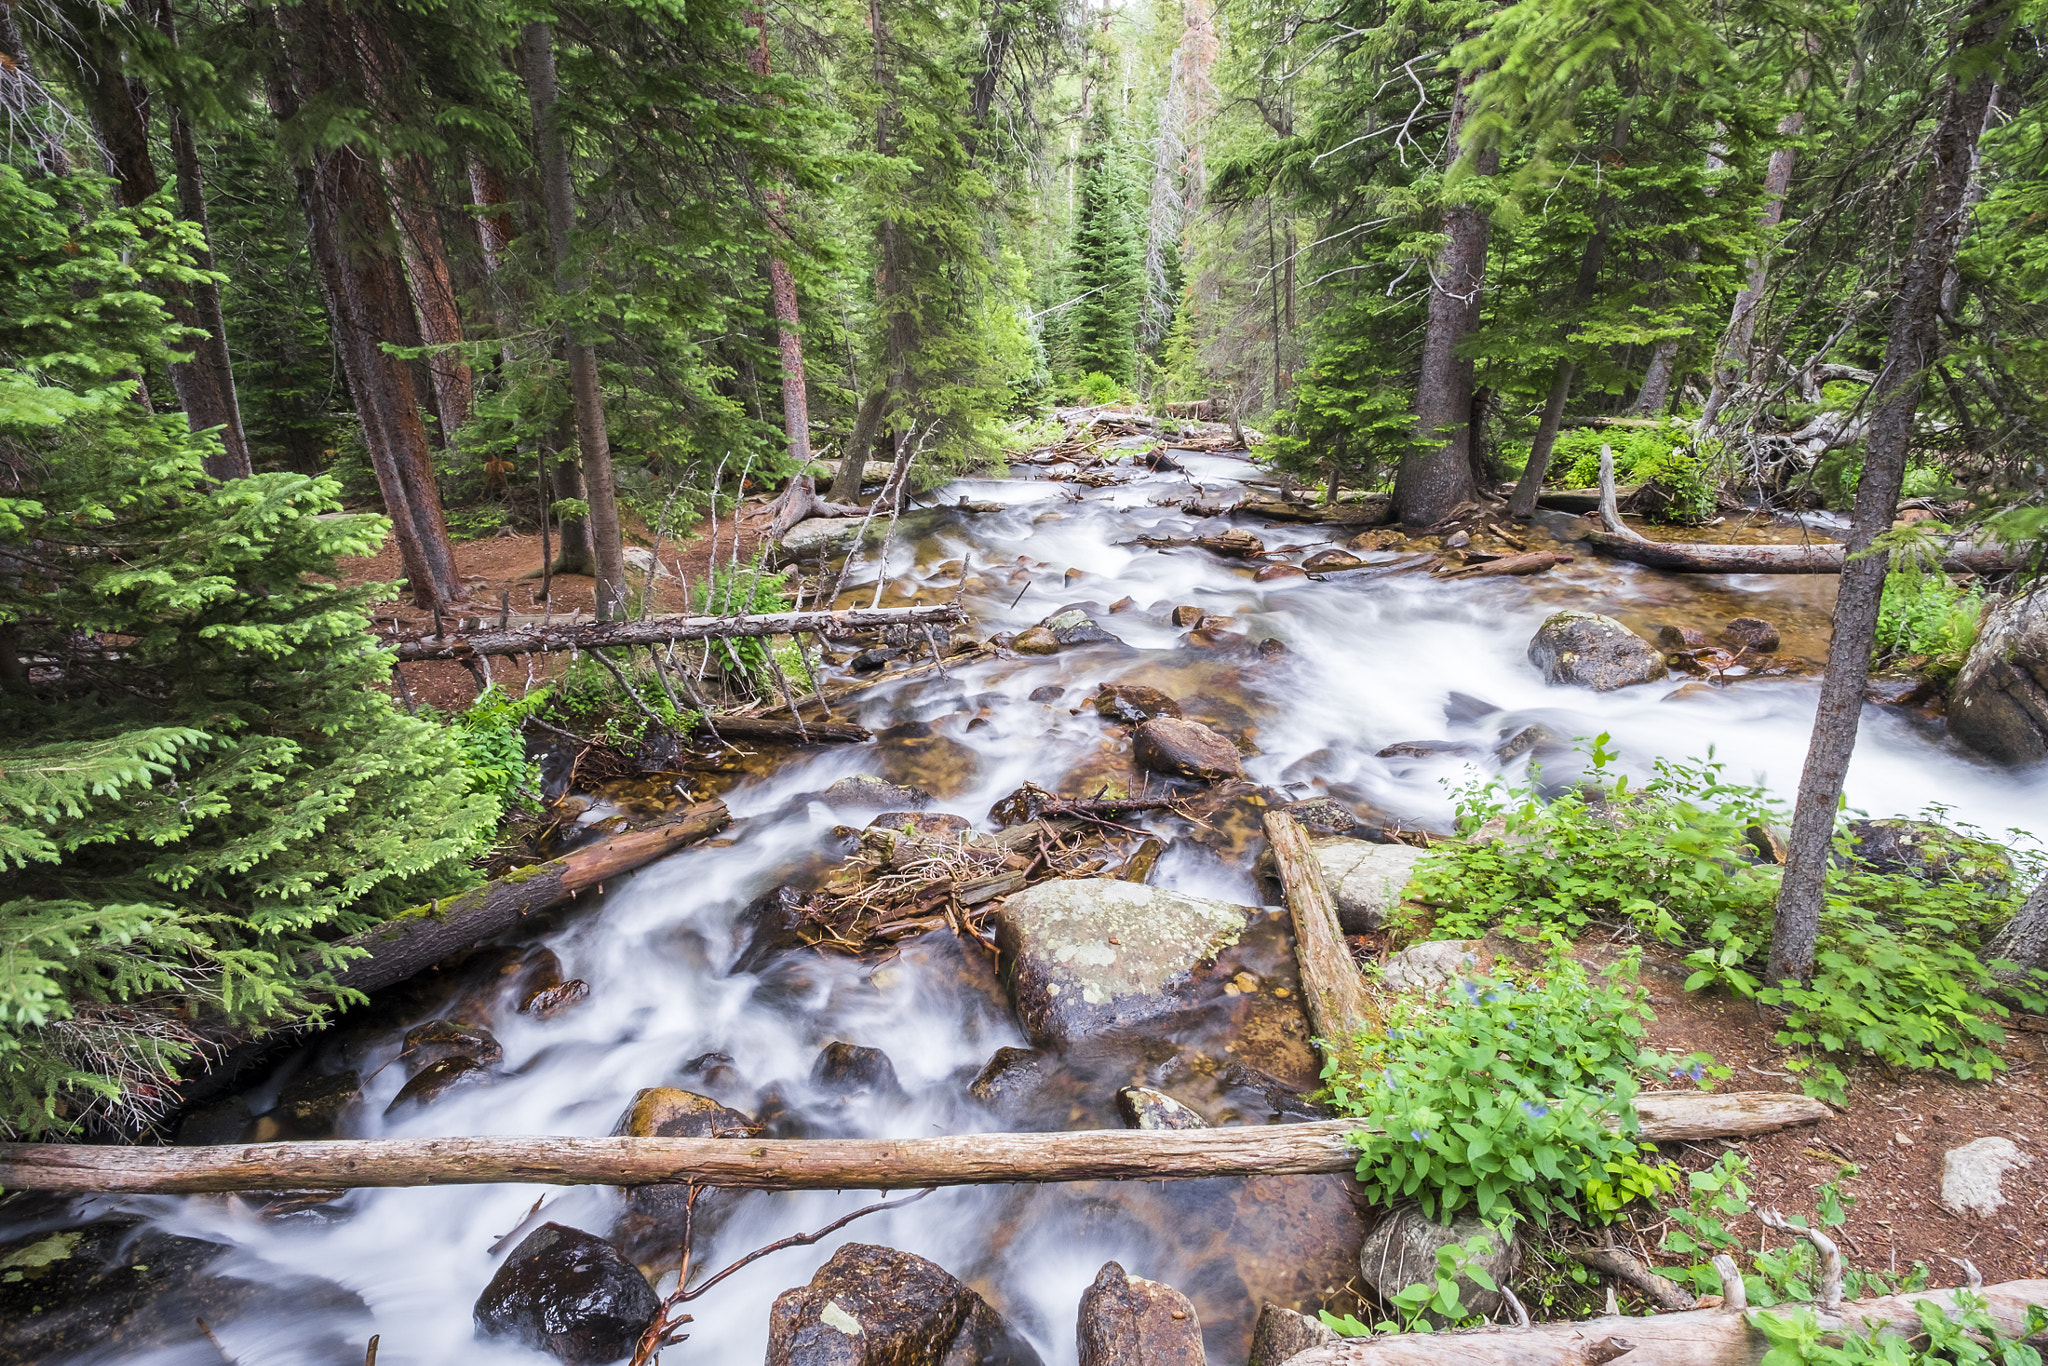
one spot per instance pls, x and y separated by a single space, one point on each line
1925 613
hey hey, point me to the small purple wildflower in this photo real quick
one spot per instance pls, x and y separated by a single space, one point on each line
1693 1073
1533 1110
1471 992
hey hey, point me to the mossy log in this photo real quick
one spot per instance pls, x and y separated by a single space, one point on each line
543 637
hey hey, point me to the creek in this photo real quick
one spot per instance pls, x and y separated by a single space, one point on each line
1367 663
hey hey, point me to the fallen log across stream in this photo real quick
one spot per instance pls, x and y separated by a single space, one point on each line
1702 557
544 637
796 1163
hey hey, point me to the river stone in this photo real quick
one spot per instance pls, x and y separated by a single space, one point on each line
1090 955
848 1069
1187 616
1007 1077
1587 650
1129 1321
1751 633
1076 627
1426 967
1132 704
866 792
1365 879
1681 638
570 1294
1140 1107
1323 816
437 1039
1998 705
1051 692
1186 749
1973 1176
1402 1251
816 537
1278 571
436 1080
1330 561
876 1306
311 1107
552 1001
651 1217
1039 640
1282 1333
1930 852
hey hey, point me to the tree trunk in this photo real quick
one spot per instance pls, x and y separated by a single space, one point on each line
1707 557
535 637
853 462
592 442
349 228
1523 504
1912 346
1655 396
1437 475
800 1163
433 291
1732 367
796 407
2024 940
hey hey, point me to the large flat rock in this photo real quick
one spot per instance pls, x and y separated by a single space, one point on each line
1365 878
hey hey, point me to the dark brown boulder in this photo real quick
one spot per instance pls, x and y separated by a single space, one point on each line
650 1224
436 1040
848 1069
436 1080
1330 561
875 1306
1751 633
1278 571
1129 1321
1131 703
1186 749
570 1294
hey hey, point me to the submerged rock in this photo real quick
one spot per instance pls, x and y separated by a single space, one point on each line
570 1294
1365 879
1127 1320
1186 749
1998 705
1587 650
1751 633
1140 1107
1402 1251
864 791
1097 954
1132 704
848 1069
1007 1077
875 1306
436 1080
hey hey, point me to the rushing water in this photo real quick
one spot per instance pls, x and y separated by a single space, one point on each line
1368 663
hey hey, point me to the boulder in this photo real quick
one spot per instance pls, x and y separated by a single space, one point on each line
1007 1077
1076 627
1051 692
866 792
875 1306
1039 640
1278 571
819 537
1751 633
1402 1251
438 1039
1090 955
1587 650
1132 704
928 825
848 1069
436 1080
1930 852
310 1107
1129 1321
1140 1107
1186 749
1425 967
651 1217
1330 561
1973 1176
1365 879
1998 704
1282 1333
570 1294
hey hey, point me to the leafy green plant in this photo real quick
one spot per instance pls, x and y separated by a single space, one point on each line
1926 613
492 741
735 590
1965 1335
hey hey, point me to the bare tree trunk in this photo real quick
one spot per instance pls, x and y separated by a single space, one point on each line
1732 366
1523 504
853 463
2024 940
1655 395
433 291
594 445
1437 475
1911 349
796 407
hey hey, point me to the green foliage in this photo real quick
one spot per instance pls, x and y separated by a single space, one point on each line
1897 976
737 590
1965 1335
1926 613
1106 266
1508 1099
491 739
189 821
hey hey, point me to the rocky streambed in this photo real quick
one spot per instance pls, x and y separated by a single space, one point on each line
1142 648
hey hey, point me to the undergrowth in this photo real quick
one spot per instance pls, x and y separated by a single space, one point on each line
1927 617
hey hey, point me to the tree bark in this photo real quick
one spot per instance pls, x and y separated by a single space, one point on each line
433 291
854 461
796 407
2024 940
1912 346
1437 475
556 636
799 1164
1332 992
592 442
1732 366
1705 557
1655 395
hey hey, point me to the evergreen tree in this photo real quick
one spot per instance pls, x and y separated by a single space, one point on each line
1105 270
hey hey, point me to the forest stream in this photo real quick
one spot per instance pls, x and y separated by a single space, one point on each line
1364 662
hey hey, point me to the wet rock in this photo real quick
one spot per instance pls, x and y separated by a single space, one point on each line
1681 638
1037 641
942 825
1402 1251
1380 538
1097 954
1973 1176
1187 616
1278 571
1234 544
1186 749
1141 1107
437 1040
651 1217
1365 879
1331 561
1051 692
670 1112
864 791
1458 540
570 1294
1271 649
873 661
1540 739
221 1121
1930 852
1426 967
875 1306
118 1290
848 1069
1076 627
1586 650
1282 1333
1998 704
1323 816
1212 635
1899 692
312 1107
712 1069
1129 1321
555 1000
1751 633
1426 749
1007 1077
1122 605
436 1080
1130 704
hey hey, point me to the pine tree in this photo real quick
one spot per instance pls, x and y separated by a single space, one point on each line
1105 270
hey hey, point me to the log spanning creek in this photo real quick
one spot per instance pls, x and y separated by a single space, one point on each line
1383 691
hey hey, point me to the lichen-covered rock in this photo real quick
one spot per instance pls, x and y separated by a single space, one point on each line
1129 1321
1186 749
1426 967
1282 1333
1132 704
1973 1176
570 1294
1090 955
1076 627
1998 705
876 1306
1587 650
1140 1107
1402 1251
818 538
650 1217
1365 879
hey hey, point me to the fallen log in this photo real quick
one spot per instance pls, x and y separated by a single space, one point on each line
541 638
1685 557
767 730
784 1164
1721 1336
1339 1009
1507 566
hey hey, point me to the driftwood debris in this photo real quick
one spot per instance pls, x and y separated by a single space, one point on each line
1339 1008
768 730
1510 566
800 502
543 637
794 1164
1721 1336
